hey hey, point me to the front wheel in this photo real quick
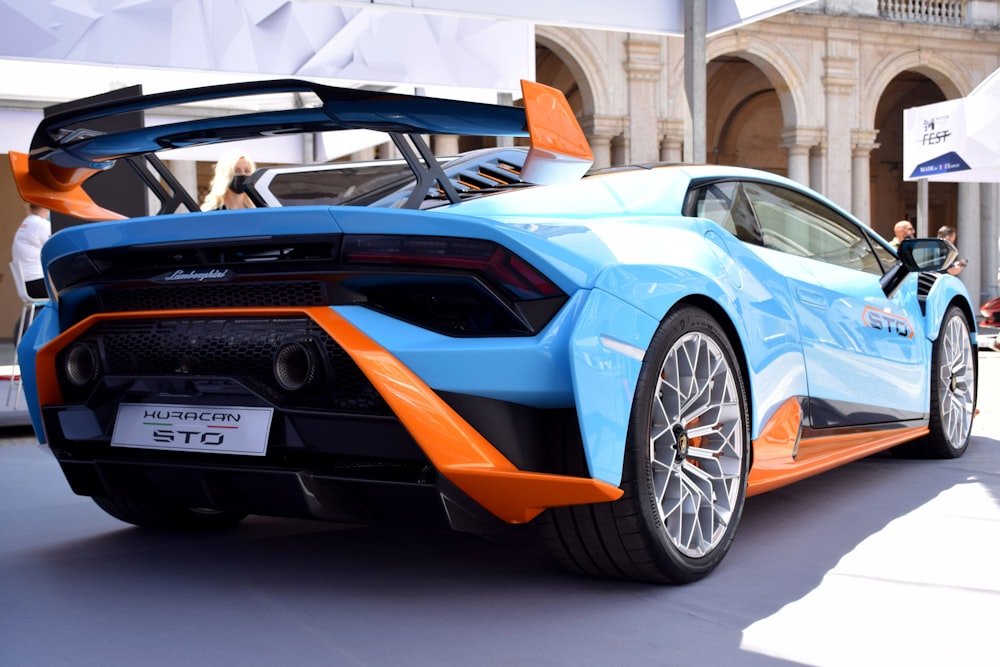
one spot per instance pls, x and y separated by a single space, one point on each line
952 393
685 470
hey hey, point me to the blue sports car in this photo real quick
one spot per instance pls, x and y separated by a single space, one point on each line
501 337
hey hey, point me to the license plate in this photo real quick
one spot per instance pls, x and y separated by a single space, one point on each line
193 428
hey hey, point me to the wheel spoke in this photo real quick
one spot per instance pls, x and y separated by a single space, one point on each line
696 444
956 389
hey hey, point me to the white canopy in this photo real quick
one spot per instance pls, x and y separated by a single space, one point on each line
417 42
446 48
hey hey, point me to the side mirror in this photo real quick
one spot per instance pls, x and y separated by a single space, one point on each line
918 256
927 254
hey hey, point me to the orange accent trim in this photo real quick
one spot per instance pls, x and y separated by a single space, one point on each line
456 449
552 124
776 444
780 457
56 188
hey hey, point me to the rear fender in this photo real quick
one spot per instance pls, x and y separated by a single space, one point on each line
947 290
606 351
42 330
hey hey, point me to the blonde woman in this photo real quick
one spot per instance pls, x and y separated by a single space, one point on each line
227 190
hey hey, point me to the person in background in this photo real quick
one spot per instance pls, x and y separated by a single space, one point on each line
26 249
228 189
948 234
903 230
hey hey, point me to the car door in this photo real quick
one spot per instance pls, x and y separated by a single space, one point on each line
865 353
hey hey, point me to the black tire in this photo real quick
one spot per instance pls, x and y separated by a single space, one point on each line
686 447
167 517
953 392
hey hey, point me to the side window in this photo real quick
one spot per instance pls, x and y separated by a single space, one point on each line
726 203
794 223
885 256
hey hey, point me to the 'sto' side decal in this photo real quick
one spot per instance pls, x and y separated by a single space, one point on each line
893 325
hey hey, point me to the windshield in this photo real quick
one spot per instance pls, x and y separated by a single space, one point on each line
332 185
388 183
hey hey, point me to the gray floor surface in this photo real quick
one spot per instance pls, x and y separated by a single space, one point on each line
881 562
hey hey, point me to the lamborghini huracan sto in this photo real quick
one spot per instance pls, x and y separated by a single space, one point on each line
504 336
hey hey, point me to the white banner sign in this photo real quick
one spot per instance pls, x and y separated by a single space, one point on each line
955 140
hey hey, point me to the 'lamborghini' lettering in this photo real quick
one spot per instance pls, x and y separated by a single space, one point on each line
892 325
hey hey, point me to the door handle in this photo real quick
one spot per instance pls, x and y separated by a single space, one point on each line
813 298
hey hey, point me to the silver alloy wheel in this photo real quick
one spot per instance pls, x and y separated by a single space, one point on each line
696 444
956 377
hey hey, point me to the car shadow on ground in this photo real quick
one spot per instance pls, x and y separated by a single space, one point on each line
356 578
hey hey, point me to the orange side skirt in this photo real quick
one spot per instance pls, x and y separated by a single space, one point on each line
781 458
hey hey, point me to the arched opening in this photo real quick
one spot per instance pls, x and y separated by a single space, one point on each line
744 121
553 71
893 198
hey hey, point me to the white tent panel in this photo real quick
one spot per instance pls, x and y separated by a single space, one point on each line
420 42
648 16
274 37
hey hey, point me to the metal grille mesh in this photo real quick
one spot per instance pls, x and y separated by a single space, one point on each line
251 295
925 281
242 348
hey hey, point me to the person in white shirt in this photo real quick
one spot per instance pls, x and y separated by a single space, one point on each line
26 250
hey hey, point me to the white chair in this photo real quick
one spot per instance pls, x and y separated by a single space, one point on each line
28 306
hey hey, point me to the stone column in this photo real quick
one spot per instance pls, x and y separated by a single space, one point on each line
445 144
388 151
695 75
989 232
671 141
620 150
922 226
601 132
507 99
186 173
364 154
817 166
643 66
798 155
861 182
839 81
968 229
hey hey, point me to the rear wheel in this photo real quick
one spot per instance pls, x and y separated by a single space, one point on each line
952 392
686 465
167 517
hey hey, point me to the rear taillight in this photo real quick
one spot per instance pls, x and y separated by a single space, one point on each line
458 287
484 258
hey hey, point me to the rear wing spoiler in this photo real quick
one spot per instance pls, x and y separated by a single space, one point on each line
65 152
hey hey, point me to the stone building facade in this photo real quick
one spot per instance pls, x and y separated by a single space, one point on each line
816 94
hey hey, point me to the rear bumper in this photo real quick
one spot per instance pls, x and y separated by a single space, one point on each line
431 502
422 444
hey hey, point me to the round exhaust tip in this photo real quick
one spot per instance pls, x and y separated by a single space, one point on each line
296 365
82 365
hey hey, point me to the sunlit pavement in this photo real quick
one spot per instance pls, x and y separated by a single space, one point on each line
925 588
881 562
13 411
